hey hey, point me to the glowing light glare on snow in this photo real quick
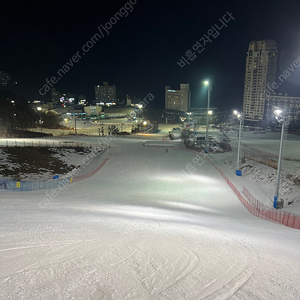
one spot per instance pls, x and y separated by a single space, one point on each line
201 178
181 177
175 178
135 211
188 206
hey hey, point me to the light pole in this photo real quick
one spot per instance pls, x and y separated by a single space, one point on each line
41 124
189 114
282 117
75 127
238 171
209 88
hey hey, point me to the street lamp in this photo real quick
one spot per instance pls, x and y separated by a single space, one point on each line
283 117
189 114
75 126
240 116
209 85
41 122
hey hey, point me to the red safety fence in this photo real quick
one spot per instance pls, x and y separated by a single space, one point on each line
263 211
90 174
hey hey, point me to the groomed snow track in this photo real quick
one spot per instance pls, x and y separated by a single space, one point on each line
139 230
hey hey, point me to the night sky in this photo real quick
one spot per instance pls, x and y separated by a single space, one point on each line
140 53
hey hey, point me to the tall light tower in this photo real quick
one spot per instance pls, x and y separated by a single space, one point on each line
208 83
283 117
189 115
240 116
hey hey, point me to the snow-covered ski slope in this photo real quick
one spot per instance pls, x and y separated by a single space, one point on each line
137 230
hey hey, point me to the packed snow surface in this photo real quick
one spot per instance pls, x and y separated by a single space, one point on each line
150 225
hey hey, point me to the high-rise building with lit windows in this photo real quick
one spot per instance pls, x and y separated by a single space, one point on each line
179 100
105 93
55 97
260 71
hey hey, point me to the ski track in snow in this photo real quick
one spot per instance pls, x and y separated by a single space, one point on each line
135 231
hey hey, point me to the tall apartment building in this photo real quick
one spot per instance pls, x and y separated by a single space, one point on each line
55 97
105 93
259 102
261 65
179 100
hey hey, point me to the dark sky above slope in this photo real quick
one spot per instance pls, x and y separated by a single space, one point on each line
140 53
